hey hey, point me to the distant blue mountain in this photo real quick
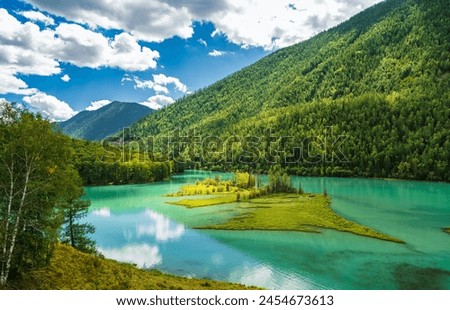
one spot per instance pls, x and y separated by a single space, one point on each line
101 123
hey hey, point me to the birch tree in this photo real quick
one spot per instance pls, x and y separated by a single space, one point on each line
33 165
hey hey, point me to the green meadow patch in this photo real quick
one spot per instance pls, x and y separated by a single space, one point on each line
198 203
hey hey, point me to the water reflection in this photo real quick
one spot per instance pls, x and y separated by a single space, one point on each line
160 227
134 224
265 275
141 237
256 274
143 255
103 212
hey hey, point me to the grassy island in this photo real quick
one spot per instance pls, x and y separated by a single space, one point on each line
266 208
447 230
294 212
70 269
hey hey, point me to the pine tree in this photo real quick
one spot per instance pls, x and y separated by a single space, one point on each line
74 231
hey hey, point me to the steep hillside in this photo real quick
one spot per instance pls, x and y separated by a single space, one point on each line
381 81
98 124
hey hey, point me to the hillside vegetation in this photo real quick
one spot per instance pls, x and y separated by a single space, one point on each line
73 270
101 164
101 123
369 98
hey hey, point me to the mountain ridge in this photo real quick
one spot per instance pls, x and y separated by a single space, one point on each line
381 78
103 122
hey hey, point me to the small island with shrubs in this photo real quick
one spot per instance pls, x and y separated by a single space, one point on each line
277 206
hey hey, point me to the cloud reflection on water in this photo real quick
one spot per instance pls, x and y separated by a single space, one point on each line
263 275
160 227
143 255
103 212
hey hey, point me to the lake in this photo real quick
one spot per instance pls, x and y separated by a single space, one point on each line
135 224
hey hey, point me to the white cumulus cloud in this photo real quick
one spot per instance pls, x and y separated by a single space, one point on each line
65 78
158 84
216 53
268 24
38 17
158 101
151 21
275 24
10 84
26 49
161 79
127 54
86 48
49 106
95 105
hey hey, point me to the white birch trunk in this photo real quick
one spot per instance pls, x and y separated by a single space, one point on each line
6 265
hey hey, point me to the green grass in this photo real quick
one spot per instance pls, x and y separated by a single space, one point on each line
447 230
294 212
73 270
198 203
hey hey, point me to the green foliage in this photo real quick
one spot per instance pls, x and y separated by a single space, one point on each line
240 188
206 187
366 98
102 173
36 177
102 164
244 180
101 123
280 181
75 233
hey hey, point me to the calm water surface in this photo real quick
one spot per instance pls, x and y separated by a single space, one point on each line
135 224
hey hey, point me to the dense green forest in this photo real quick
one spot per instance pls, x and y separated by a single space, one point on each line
370 97
102 164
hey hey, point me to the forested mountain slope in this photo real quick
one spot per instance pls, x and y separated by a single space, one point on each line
381 81
98 124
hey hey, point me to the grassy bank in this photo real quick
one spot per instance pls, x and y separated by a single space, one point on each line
447 230
73 270
199 203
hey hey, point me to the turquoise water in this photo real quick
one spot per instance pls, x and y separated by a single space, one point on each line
135 224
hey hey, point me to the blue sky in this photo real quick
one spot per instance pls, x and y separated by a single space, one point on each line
62 57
